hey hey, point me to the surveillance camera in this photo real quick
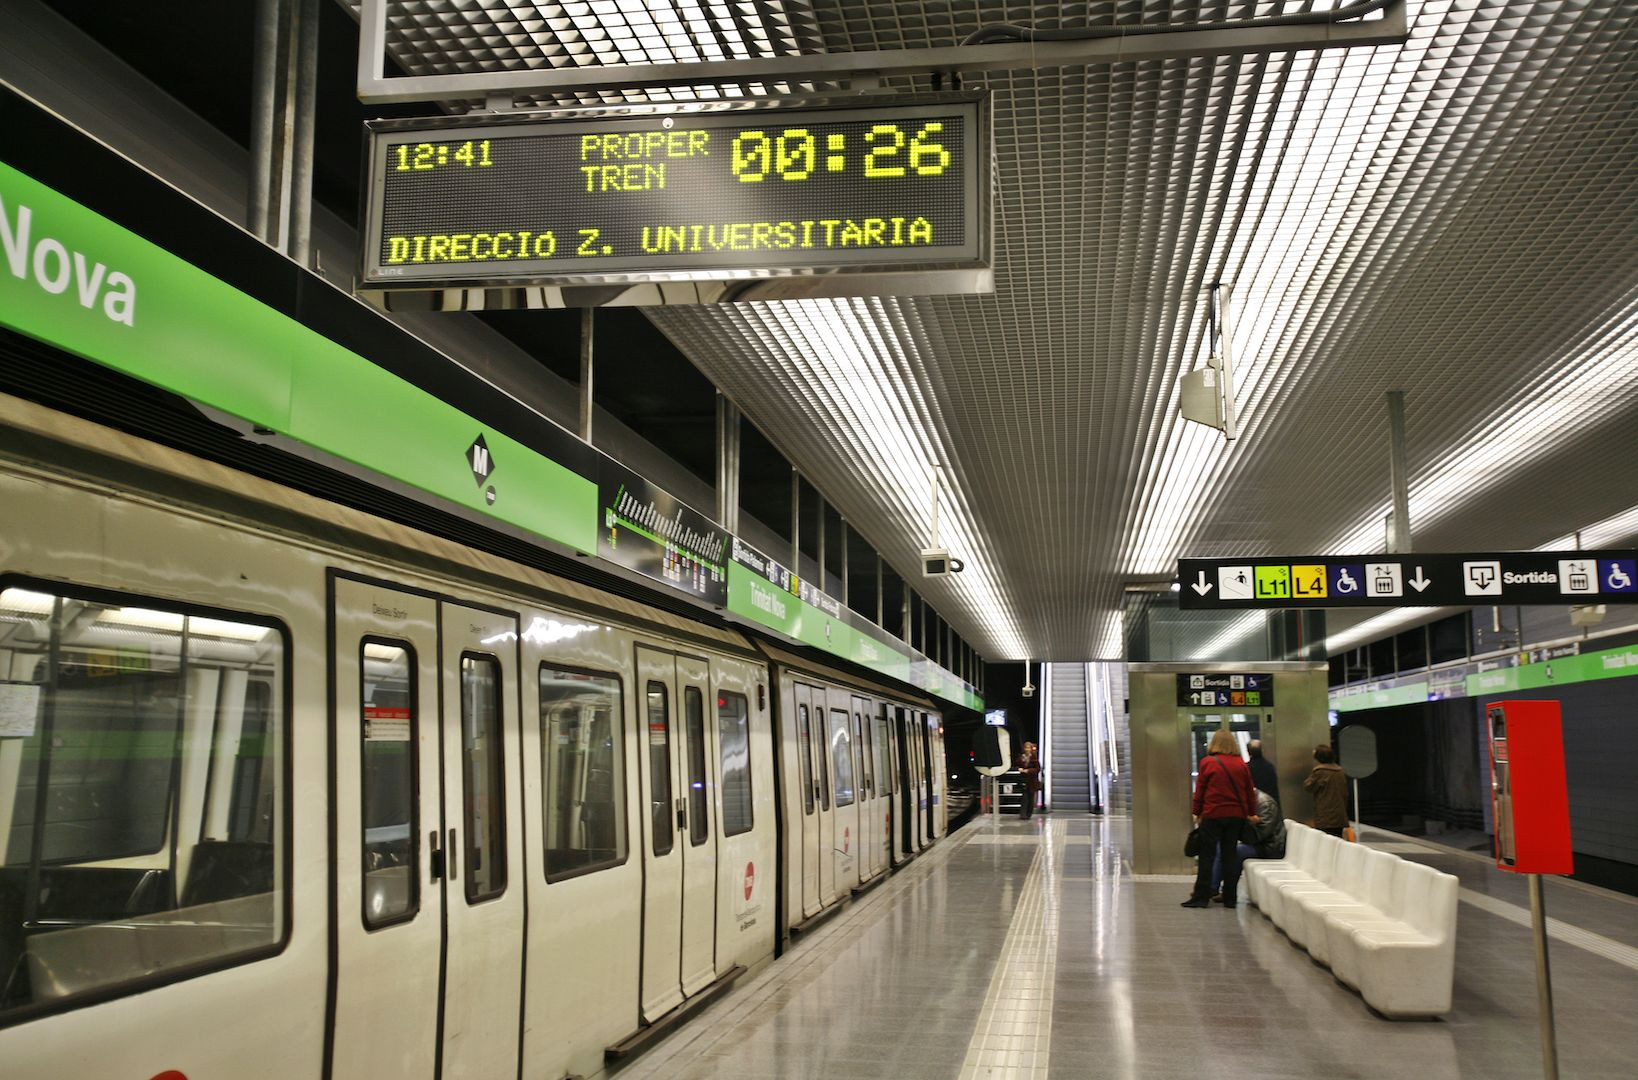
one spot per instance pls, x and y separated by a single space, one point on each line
936 562
1029 690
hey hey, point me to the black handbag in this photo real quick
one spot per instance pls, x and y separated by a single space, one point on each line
1191 845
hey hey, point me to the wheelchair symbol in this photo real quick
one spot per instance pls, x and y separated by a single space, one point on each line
1346 583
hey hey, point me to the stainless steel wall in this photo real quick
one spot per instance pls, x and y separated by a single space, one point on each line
1161 754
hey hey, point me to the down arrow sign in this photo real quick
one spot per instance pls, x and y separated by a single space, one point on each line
1201 586
1419 582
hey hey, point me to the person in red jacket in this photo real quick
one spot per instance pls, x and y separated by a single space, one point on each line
1224 800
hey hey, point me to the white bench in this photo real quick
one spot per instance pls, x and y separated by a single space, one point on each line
1385 926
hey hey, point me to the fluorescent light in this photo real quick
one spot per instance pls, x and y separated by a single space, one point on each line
26 602
172 622
864 371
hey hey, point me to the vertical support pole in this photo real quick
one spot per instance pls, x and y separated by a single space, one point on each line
1399 531
843 522
1544 980
372 41
824 568
303 122
796 522
727 464
264 77
1359 822
1231 422
587 372
881 588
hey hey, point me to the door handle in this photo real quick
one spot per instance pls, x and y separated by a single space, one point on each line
437 859
450 847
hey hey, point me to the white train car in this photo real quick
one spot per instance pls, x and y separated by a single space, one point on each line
290 790
859 796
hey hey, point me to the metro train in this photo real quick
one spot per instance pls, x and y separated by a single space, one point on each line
290 789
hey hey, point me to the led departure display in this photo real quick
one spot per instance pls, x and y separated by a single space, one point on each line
731 193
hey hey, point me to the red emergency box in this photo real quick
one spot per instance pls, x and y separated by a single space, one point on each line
1528 791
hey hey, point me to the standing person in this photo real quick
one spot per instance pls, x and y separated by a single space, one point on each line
1224 801
1029 767
1330 790
1262 770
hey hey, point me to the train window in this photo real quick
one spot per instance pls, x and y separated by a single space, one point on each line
884 754
583 759
841 757
805 758
734 729
699 804
867 763
659 766
819 754
388 784
484 782
142 800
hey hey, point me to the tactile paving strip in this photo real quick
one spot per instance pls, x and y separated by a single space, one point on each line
1013 1036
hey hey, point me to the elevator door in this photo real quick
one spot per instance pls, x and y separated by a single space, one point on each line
1202 726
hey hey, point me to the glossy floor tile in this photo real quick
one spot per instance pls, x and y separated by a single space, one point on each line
1028 950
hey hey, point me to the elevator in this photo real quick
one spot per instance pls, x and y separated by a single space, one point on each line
1170 733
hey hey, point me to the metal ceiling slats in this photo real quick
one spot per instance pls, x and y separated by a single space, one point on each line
1457 218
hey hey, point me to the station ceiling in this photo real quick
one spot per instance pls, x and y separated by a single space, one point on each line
1456 218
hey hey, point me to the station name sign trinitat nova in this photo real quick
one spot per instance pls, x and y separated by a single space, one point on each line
694 192
1437 580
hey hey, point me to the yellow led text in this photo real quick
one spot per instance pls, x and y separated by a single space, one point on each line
626 162
787 235
471 247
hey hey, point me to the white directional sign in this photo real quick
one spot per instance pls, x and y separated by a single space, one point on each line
1482 578
1384 580
1235 582
1577 577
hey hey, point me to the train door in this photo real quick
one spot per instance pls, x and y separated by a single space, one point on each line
869 826
483 845
819 727
936 772
918 759
905 832
696 750
884 778
929 794
844 793
387 832
807 719
662 859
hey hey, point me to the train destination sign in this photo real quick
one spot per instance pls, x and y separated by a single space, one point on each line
1608 576
699 192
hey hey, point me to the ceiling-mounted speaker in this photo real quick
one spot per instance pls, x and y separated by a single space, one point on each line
1202 397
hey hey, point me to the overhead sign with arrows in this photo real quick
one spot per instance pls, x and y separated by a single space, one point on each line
1508 577
1251 690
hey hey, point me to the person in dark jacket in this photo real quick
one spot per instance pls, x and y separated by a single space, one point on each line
1029 767
1330 790
1224 800
1262 770
1269 841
